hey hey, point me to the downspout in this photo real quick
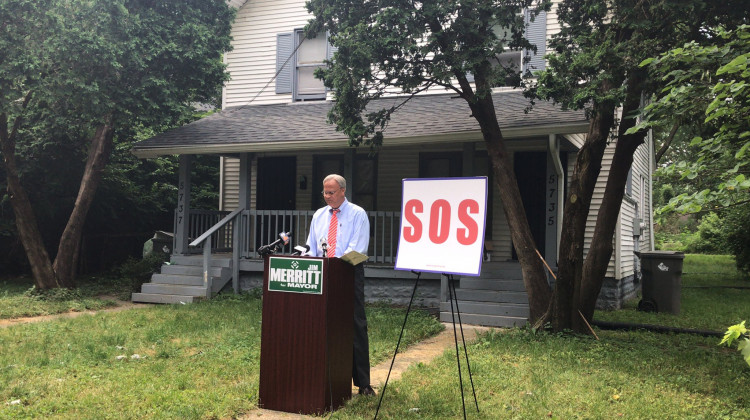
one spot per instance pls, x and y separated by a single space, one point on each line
554 149
651 164
221 183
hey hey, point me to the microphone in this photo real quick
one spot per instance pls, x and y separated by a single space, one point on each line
276 245
301 249
324 245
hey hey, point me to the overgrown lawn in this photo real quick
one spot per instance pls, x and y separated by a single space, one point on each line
519 374
169 361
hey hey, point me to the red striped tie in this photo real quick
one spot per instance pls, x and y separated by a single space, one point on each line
332 229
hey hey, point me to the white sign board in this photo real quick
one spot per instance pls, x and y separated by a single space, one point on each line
442 225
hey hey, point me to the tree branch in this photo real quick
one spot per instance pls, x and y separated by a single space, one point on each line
667 142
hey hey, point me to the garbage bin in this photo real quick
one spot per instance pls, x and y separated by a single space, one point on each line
161 243
662 281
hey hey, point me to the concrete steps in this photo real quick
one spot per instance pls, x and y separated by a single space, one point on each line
497 298
181 280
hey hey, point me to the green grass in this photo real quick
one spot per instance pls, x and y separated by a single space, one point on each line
706 302
201 361
522 375
195 361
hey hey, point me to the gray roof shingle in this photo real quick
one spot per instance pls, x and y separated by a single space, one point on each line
273 126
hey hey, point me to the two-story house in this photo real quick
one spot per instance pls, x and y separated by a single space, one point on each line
275 147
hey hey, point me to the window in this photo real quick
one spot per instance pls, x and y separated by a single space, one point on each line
523 61
296 70
310 56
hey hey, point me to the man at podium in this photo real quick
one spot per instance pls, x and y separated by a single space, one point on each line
336 229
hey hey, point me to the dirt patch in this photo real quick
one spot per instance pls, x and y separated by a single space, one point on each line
121 306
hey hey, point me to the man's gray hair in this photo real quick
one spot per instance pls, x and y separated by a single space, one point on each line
340 179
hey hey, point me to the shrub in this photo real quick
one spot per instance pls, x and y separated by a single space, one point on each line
711 237
136 272
738 236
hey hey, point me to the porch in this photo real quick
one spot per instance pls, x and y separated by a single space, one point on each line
224 251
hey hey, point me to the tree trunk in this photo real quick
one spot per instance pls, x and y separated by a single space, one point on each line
28 229
67 251
534 276
562 312
600 252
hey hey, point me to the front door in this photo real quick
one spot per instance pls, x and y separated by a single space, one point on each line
531 172
276 190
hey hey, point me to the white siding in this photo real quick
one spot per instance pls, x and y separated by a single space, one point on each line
627 240
252 63
236 3
230 181
642 191
576 139
553 26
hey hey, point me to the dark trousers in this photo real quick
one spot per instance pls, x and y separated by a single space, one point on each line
361 361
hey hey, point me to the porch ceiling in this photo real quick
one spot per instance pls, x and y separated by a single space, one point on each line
303 126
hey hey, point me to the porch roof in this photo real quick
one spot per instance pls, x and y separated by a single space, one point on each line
302 126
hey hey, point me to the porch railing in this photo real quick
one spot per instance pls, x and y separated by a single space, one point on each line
259 227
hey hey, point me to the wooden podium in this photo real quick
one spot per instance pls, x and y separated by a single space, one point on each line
307 332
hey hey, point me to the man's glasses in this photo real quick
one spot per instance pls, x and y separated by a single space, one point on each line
329 193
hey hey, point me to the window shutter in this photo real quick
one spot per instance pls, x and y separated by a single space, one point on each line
284 49
536 33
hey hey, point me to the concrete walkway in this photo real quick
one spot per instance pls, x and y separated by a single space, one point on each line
424 352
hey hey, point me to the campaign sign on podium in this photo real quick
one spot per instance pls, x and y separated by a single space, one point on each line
307 332
442 225
295 275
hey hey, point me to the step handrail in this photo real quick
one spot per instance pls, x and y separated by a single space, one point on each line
207 234
205 238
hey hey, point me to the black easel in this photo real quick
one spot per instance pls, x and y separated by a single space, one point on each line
452 294
454 298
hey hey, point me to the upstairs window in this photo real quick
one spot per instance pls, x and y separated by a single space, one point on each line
297 69
310 56
523 60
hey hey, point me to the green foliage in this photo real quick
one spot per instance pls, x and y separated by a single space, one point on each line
707 82
738 235
142 63
681 241
707 235
740 334
712 235
135 272
53 295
